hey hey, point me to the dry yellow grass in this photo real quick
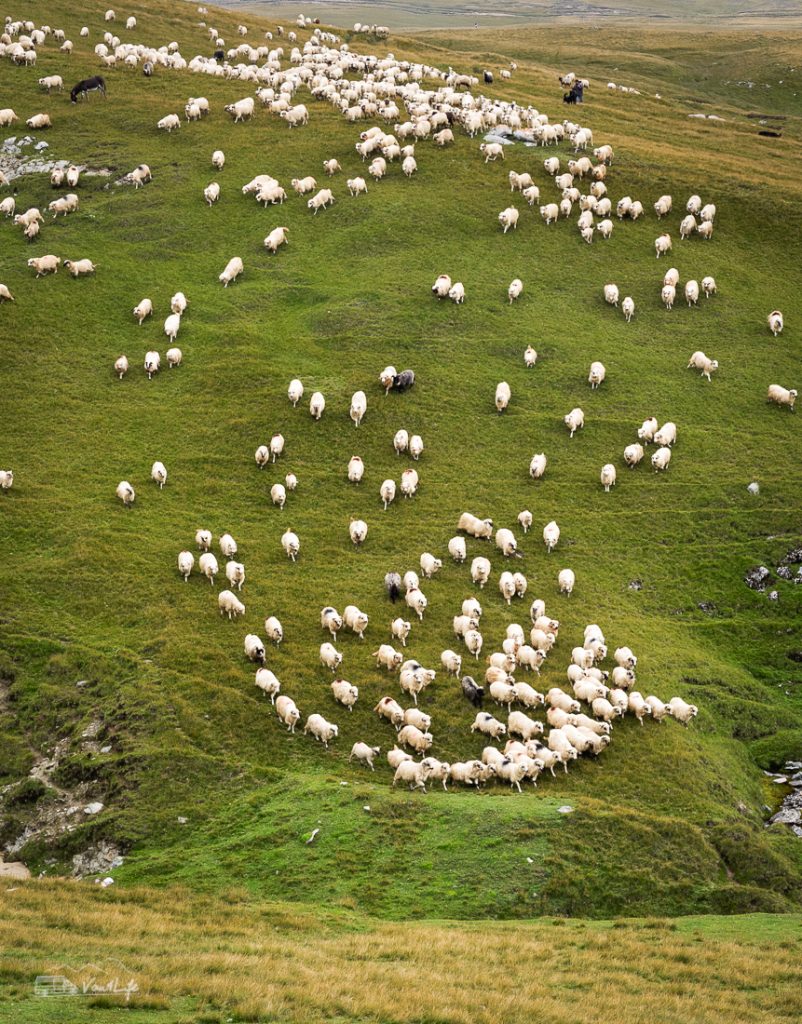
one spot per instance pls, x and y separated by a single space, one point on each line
278 961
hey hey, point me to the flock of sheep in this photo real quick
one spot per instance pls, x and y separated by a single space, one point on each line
364 87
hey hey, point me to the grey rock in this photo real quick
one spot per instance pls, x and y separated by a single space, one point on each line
773 595
787 816
635 585
754 487
565 809
757 578
41 145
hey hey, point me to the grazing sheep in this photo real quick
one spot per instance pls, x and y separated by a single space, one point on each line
186 563
276 238
663 206
515 289
235 574
781 395
709 286
241 110
525 519
661 459
417 601
596 375
683 712
179 303
288 712
608 475
158 474
480 571
331 620
39 121
692 292
488 725
537 466
429 564
169 123
442 286
388 708
508 218
232 270
475 527
320 200
331 167
330 657
414 773
647 430
345 693
142 310
668 295
121 366
268 684
566 580
530 356
174 357
409 482
212 193
633 454
218 159
628 308
700 362
356 469
291 481
322 730
550 212
229 604
203 538
551 535
291 544
457 549
662 245
171 326
317 404
125 493
574 420
359 405
492 150
775 321
365 753
457 293
705 229
503 395
687 226
667 434
80 267
152 363
355 620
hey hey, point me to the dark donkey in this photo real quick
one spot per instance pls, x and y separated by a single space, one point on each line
95 84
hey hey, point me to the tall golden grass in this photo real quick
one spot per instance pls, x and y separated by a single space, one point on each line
277 961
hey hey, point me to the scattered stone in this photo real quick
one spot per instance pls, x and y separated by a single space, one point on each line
784 572
754 487
94 808
15 870
106 749
793 556
787 816
82 682
757 578
774 596
635 584
366 807
182 820
106 883
98 859
565 809
780 780
708 607
313 836
41 145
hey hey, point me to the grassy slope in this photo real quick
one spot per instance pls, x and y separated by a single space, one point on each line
224 959
92 593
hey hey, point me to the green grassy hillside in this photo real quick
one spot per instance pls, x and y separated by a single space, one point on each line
669 820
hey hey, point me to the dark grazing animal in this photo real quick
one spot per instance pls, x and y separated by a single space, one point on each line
392 582
475 694
403 380
95 84
488 76
569 97
147 69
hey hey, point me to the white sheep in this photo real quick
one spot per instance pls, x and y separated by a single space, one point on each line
550 212
700 362
320 200
537 466
530 356
668 295
232 270
355 620
171 325
525 519
358 531
330 657
409 482
235 574
229 604
682 711
121 366
565 581
207 563
486 724
212 192
218 159
345 693
276 238
781 395
363 752
662 245
186 563
775 322
667 434
169 123
356 469
596 375
628 308
515 289
457 293
574 420
508 218
359 405
158 474
317 404
480 571
322 730
692 292
457 549
633 454
709 286
152 363
503 395
551 535
661 459
291 544
288 712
